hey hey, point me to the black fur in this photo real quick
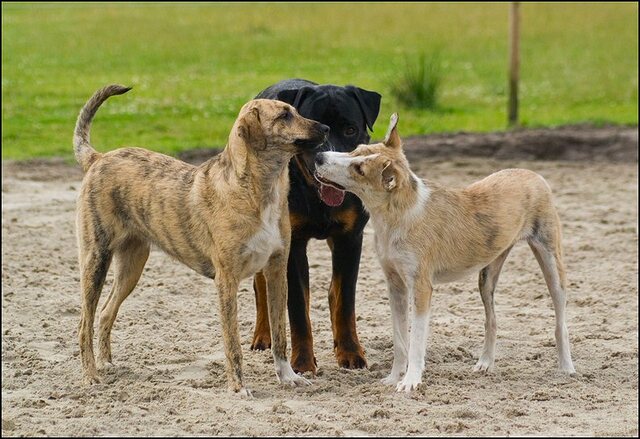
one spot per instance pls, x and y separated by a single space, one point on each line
349 112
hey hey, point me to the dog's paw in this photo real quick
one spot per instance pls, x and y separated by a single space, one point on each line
287 376
243 392
91 378
408 384
391 380
304 363
294 380
567 369
261 342
104 364
483 365
351 359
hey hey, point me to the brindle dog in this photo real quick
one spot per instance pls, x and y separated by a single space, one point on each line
226 219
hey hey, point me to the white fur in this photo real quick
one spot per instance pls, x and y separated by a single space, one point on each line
398 299
286 375
421 202
401 268
417 352
342 160
266 241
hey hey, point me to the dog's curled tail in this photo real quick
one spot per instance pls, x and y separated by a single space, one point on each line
85 154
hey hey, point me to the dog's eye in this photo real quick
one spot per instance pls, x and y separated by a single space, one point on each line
358 168
286 115
350 131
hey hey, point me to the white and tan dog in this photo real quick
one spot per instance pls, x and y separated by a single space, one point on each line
427 234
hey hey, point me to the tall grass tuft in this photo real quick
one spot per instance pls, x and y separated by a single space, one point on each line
418 86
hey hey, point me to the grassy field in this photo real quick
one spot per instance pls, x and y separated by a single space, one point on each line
194 65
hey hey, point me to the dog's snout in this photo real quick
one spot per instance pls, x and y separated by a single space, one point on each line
320 159
324 129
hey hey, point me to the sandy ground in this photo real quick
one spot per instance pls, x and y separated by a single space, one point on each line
169 377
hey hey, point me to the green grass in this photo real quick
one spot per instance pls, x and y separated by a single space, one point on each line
194 65
418 84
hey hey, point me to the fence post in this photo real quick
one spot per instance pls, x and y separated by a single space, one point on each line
514 62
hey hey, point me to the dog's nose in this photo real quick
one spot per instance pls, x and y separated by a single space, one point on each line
324 129
319 159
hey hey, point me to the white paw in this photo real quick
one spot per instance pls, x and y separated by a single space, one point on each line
288 377
568 369
391 380
293 379
484 364
408 384
243 392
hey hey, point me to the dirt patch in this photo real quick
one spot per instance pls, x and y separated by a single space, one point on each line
573 142
169 375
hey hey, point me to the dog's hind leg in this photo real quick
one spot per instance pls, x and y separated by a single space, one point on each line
298 301
262 332
276 275
487 281
94 264
546 244
129 261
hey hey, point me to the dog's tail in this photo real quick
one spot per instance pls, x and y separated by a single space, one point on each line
85 154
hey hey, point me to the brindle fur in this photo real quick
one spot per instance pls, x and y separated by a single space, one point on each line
225 219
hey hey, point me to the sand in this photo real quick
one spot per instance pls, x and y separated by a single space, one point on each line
169 376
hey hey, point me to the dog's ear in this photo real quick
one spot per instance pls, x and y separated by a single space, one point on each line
369 103
250 129
392 138
295 96
389 176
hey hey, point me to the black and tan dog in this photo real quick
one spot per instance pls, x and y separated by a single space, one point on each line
226 219
322 212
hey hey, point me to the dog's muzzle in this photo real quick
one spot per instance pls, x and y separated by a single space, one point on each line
331 193
318 137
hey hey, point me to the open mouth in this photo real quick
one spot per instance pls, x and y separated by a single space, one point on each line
310 143
331 193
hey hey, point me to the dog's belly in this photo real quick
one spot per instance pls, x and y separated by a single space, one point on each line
456 274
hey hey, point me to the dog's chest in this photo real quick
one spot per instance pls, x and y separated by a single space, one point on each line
266 241
394 253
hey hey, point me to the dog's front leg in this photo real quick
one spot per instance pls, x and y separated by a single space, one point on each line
398 299
276 274
345 253
419 333
227 293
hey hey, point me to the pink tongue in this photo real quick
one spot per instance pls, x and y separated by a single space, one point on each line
330 195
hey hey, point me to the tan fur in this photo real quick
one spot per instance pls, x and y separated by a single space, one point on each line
427 233
221 218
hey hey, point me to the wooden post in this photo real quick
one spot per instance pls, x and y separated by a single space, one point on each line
514 62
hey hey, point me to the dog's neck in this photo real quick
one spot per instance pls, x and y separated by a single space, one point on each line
263 177
403 204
